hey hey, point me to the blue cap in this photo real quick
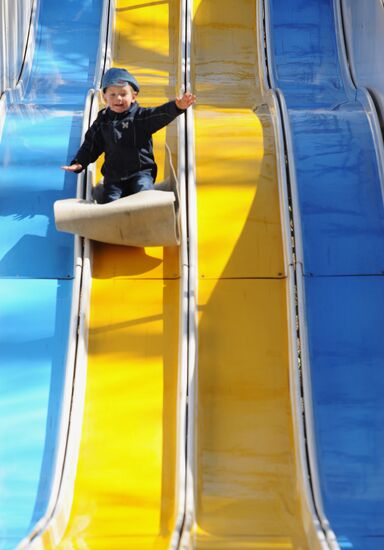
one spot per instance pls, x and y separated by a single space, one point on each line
119 77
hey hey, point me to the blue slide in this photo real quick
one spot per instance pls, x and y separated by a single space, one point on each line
40 133
337 192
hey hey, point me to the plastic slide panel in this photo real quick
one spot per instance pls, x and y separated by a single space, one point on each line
124 494
346 353
338 190
40 133
246 492
364 30
338 202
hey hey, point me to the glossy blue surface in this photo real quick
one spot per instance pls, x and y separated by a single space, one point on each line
340 201
345 320
339 193
41 132
305 63
34 320
340 206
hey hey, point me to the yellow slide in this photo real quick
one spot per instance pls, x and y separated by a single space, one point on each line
246 485
124 494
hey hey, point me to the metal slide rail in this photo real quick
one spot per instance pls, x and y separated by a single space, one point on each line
353 94
185 292
17 20
368 80
360 93
49 530
187 518
363 26
310 463
318 533
20 27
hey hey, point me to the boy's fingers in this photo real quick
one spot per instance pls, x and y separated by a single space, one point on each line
186 100
72 167
187 95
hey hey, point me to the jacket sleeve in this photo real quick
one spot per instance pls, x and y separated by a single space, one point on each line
92 146
155 118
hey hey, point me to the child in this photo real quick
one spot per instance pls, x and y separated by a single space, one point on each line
123 131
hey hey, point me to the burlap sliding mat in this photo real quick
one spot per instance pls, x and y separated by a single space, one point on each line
148 218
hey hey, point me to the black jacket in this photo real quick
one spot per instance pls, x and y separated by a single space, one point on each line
126 140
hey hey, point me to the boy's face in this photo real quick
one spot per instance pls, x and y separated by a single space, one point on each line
119 98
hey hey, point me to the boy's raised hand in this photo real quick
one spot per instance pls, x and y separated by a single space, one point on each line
185 101
72 168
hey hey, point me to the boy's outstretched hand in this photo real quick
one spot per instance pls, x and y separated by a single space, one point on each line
185 101
72 168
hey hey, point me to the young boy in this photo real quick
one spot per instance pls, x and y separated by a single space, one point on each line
123 131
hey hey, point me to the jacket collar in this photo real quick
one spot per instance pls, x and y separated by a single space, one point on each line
121 116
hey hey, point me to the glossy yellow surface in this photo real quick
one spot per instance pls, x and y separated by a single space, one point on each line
246 486
125 486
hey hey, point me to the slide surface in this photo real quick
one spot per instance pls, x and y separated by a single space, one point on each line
246 484
40 133
125 485
364 30
340 207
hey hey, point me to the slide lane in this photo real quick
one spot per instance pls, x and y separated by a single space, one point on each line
39 133
246 485
339 206
125 486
